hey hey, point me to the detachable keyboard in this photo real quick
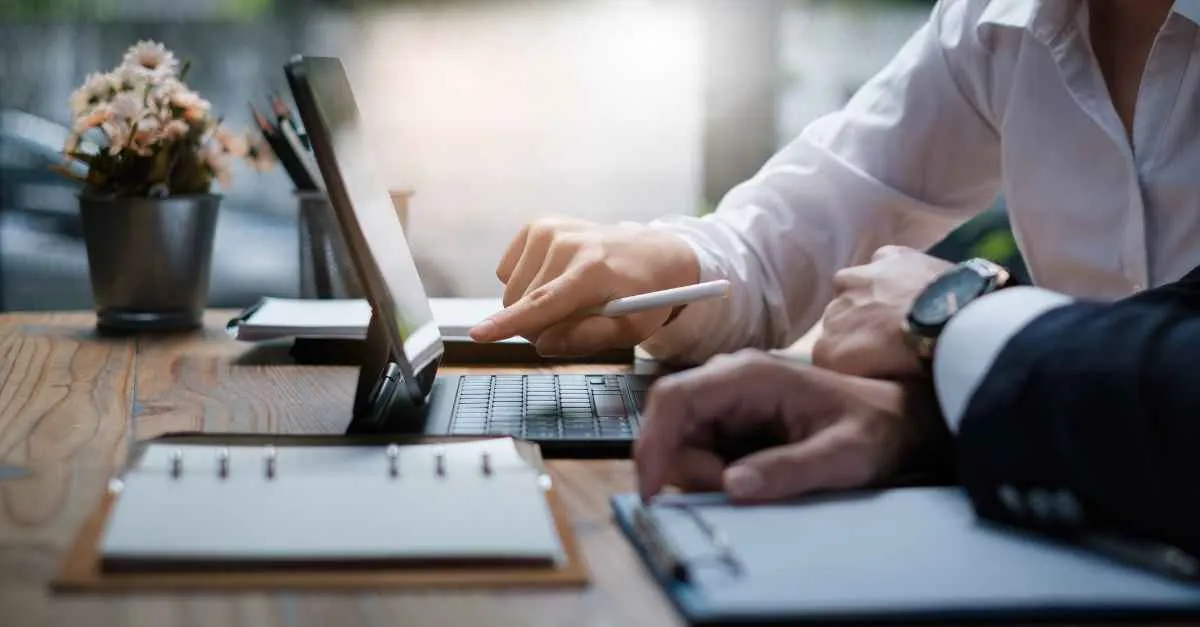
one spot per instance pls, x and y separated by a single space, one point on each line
548 407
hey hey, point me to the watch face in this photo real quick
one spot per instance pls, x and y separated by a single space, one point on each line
945 296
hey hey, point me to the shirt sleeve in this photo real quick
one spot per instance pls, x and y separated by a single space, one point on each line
974 337
909 158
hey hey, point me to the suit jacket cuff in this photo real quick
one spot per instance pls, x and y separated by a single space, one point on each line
974 337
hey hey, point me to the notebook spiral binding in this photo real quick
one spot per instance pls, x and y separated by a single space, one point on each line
271 464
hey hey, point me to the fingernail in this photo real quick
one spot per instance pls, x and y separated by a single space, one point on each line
743 482
483 331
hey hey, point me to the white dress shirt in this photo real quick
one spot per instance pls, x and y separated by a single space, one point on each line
1000 96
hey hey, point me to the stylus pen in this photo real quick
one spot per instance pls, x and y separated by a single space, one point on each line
673 297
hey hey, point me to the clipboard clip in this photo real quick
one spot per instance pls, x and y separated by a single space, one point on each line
664 556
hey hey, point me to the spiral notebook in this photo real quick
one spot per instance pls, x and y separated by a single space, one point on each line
463 512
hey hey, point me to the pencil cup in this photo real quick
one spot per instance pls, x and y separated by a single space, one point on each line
326 270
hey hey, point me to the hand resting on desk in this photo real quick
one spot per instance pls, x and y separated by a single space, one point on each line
830 430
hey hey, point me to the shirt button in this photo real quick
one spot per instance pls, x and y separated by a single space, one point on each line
1069 511
1042 506
1011 499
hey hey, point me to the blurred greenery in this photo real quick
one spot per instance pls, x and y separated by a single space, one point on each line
104 10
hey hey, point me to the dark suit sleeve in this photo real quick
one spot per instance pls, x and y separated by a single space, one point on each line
1090 418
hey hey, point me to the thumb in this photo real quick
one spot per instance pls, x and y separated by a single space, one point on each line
828 460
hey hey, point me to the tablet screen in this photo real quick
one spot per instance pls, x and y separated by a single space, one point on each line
396 285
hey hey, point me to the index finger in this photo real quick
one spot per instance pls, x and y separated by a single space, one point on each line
542 307
512 254
685 410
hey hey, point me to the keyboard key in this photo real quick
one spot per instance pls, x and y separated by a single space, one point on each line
472 395
610 405
639 399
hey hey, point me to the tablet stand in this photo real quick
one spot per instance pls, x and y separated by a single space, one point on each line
380 402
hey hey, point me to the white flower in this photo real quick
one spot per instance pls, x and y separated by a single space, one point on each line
193 108
145 135
151 59
94 118
128 106
129 124
128 79
119 132
164 92
175 129
96 90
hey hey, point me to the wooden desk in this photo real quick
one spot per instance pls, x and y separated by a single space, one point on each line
71 403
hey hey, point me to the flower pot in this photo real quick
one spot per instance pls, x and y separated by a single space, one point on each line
149 260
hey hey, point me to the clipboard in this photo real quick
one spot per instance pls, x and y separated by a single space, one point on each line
904 555
81 569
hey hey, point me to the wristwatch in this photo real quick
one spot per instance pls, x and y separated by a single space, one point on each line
949 293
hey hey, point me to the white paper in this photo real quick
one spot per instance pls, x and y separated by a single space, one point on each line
348 318
332 503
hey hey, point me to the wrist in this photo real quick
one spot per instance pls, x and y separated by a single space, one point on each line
683 264
947 295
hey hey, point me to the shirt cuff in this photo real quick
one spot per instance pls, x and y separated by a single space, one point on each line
973 338
671 342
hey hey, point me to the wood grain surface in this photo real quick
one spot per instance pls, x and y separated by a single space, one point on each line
72 402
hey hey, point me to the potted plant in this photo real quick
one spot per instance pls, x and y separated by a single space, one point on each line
152 149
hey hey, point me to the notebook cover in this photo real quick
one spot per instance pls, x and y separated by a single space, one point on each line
904 555
80 570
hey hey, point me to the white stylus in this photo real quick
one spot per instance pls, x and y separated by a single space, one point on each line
673 297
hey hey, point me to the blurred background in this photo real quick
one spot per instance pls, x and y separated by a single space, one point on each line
492 112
